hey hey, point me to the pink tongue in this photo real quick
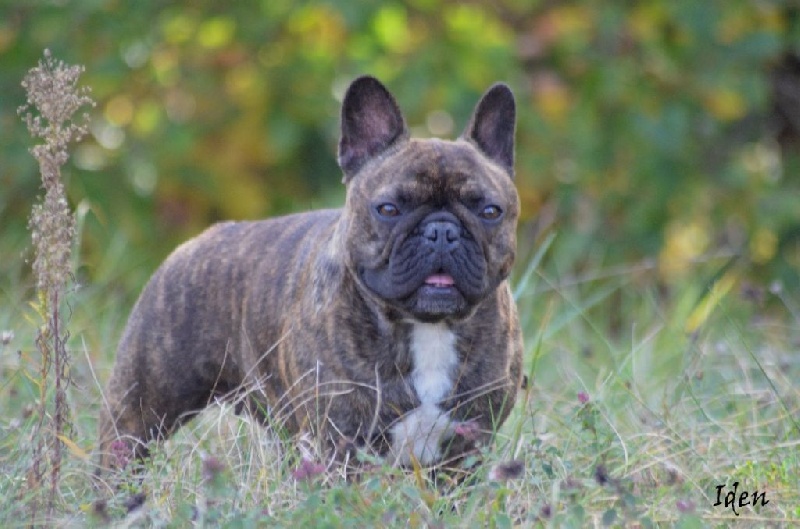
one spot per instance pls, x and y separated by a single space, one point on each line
440 280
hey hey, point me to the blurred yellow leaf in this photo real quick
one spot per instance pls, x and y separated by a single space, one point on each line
707 304
551 97
178 28
391 28
468 21
683 244
165 66
243 83
726 104
75 449
146 118
763 246
772 18
531 201
244 197
320 27
216 32
734 26
646 20
570 20
119 110
8 35
740 22
553 103
763 161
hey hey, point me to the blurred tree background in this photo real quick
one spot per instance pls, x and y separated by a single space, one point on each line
664 131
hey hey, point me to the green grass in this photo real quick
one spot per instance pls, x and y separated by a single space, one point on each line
630 417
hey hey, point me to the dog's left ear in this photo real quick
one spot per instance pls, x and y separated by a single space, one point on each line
492 125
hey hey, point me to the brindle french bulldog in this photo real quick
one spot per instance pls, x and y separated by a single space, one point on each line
386 324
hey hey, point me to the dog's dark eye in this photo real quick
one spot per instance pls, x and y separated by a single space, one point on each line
388 210
491 212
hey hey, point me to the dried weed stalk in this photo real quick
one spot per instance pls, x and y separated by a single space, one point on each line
53 98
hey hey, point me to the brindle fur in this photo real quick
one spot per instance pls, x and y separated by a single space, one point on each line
277 309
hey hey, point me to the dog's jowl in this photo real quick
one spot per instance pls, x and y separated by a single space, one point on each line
387 324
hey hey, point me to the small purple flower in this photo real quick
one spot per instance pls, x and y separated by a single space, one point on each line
307 469
469 430
212 467
583 397
121 453
685 506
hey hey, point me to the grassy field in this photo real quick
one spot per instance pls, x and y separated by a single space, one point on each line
648 406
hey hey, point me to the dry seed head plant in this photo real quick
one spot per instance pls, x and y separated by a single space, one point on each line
52 90
53 98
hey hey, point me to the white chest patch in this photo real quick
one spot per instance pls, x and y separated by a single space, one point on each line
421 431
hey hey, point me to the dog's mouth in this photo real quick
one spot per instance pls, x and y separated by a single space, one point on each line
429 291
438 297
440 280
440 285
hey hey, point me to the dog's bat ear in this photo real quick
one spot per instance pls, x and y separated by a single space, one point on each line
371 123
491 127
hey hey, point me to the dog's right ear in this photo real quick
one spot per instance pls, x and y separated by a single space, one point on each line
371 123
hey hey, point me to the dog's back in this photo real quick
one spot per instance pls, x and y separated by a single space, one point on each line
197 332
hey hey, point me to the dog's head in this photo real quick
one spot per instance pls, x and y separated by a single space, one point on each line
429 224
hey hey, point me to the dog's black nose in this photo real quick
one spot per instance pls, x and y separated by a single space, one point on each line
442 233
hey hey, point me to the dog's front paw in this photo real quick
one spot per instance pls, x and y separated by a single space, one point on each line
419 435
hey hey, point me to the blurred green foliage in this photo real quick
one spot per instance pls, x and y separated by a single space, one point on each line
650 129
